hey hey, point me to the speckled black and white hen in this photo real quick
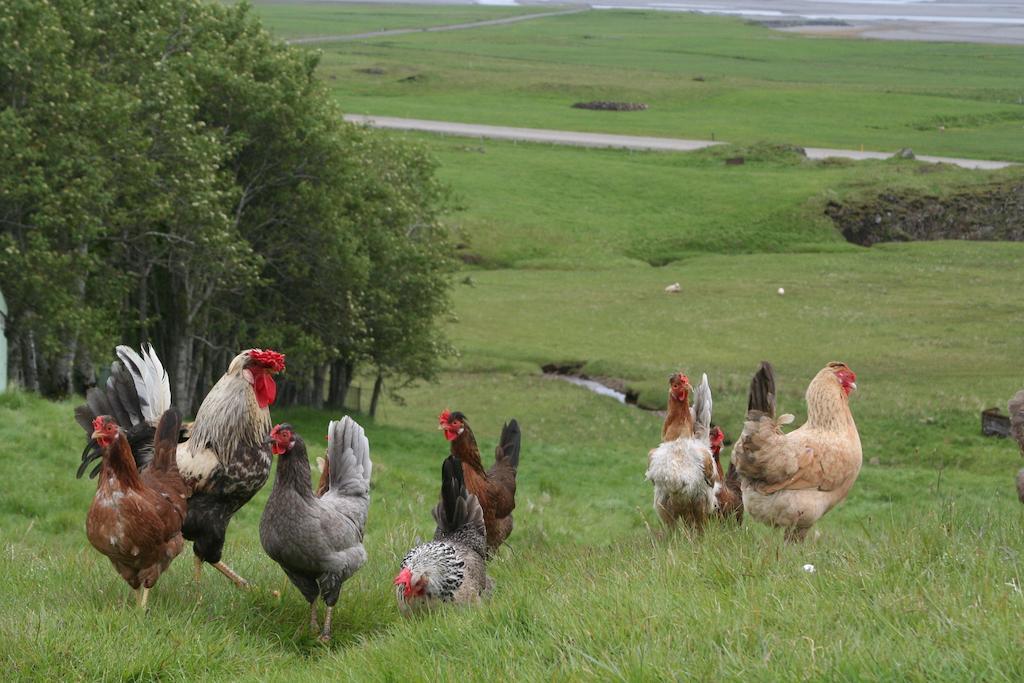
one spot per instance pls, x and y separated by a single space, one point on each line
451 568
318 541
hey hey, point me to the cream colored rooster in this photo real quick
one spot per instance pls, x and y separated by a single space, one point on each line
791 480
683 471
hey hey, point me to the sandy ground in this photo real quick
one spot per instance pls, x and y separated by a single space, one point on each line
578 139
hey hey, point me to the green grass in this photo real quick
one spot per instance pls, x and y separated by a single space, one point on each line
541 206
758 84
920 567
317 19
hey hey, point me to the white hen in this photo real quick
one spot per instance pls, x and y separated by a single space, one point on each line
683 472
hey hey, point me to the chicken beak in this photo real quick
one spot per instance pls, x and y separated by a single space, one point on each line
853 386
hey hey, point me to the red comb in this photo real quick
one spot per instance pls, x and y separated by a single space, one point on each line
444 417
268 358
404 577
98 423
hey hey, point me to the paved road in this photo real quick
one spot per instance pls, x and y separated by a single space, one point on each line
431 29
565 137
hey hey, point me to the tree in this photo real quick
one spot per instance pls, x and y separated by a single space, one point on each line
170 172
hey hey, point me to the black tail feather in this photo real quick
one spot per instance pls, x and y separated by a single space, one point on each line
450 512
762 390
508 447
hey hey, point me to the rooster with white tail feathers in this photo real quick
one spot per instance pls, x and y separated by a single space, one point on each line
223 455
683 470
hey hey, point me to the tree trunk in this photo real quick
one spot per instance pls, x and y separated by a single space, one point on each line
341 379
143 308
85 369
30 368
182 363
378 384
319 380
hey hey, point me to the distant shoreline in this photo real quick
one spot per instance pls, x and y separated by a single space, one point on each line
963 21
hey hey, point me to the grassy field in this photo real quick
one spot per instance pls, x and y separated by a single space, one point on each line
754 83
921 566
309 19
919 572
542 206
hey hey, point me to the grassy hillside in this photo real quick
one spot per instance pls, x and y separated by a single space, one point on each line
308 19
541 206
700 76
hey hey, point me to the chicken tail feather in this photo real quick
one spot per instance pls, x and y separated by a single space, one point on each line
457 507
762 391
152 385
508 447
165 441
348 458
702 405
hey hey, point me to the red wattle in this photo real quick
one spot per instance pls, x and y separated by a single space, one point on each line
266 389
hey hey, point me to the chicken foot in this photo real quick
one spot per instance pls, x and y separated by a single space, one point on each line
141 598
325 635
230 573
223 569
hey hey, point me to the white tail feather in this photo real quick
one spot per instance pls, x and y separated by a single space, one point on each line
702 410
151 381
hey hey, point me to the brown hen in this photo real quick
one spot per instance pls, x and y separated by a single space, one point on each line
495 488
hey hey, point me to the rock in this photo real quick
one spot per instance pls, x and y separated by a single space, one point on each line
602 105
991 212
905 153
674 288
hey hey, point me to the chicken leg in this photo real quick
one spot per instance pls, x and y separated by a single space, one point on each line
230 573
325 635
141 598
314 625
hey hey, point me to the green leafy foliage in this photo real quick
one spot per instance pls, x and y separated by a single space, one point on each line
173 173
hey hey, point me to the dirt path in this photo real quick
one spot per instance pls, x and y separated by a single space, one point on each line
565 137
432 29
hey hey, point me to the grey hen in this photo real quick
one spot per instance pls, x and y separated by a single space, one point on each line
318 541
451 568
